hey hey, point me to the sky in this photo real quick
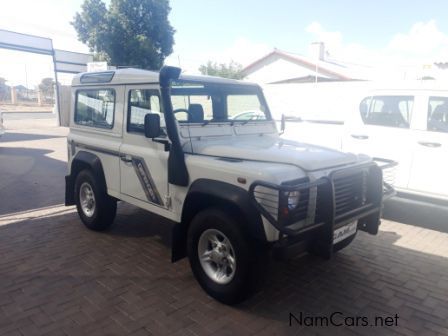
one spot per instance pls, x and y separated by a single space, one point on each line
362 32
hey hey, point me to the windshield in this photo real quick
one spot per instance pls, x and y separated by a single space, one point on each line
196 102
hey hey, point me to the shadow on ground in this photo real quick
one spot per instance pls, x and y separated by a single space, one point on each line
29 179
416 212
14 137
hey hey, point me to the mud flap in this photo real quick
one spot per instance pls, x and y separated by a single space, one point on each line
370 224
178 242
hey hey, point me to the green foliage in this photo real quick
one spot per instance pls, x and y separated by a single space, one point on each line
128 33
47 86
230 70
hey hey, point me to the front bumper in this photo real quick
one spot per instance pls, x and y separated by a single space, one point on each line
324 210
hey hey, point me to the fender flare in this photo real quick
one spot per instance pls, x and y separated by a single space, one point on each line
235 195
83 160
212 191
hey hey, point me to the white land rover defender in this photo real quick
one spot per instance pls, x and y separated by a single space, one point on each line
205 153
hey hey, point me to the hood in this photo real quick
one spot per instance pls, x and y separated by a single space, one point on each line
273 149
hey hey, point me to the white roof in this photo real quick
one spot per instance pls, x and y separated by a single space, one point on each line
139 76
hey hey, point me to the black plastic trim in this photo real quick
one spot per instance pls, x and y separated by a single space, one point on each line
177 169
81 160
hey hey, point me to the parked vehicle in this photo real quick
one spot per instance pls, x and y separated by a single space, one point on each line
233 190
407 126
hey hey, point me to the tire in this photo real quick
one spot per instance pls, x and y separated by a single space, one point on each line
99 214
236 283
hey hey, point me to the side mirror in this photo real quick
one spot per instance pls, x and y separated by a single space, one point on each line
282 124
152 125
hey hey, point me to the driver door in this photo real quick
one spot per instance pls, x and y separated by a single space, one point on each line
143 162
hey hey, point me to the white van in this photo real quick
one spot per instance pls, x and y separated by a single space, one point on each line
408 126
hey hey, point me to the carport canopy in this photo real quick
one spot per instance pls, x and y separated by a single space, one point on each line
63 61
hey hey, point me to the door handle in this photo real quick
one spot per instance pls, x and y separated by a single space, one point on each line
126 159
360 136
430 144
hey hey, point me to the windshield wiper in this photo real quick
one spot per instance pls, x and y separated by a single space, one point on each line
246 121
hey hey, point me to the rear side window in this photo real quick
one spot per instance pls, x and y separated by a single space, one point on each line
390 111
95 107
438 114
142 102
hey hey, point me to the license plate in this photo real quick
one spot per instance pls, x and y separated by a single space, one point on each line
344 232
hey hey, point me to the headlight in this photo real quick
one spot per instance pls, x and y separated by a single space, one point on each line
293 199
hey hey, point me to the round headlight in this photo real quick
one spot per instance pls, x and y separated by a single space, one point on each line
293 199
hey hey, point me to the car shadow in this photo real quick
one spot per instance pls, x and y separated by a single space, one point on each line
30 179
132 221
14 137
430 215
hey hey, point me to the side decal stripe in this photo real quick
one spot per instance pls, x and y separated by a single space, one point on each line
146 180
141 169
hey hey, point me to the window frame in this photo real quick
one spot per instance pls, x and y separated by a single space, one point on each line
427 129
128 110
113 110
374 98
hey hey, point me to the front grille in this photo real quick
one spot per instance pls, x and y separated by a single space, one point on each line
350 192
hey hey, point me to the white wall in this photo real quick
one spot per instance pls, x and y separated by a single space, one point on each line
315 101
279 70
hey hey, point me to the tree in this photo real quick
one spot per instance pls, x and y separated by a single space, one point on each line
46 86
128 33
231 70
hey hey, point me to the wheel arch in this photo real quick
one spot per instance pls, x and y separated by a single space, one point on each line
205 193
83 160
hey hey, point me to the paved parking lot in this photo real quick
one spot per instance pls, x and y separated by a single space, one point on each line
57 278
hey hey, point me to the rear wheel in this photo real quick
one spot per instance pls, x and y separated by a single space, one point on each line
95 207
227 265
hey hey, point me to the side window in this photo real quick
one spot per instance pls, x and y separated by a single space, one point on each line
142 102
390 111
438 114
95 107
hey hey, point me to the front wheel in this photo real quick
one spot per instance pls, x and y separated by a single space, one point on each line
227 265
